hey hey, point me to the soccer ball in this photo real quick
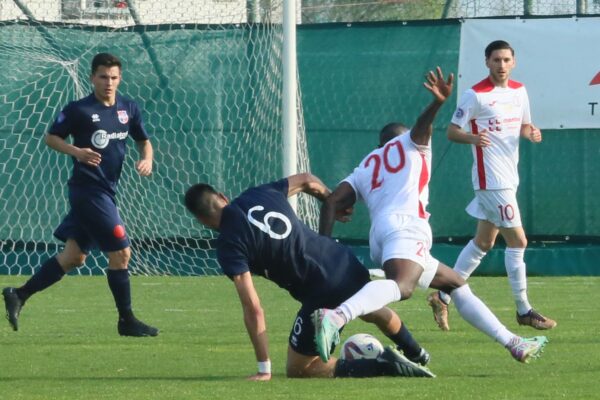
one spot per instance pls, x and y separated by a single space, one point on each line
361 345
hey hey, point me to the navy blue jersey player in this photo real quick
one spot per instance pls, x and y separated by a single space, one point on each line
99 125
260 234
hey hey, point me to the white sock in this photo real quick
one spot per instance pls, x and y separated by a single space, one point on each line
469 259
445 297
517 276
475 312
373 296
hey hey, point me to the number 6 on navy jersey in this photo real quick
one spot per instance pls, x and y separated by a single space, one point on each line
265 227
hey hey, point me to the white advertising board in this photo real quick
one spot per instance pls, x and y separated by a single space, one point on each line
558 60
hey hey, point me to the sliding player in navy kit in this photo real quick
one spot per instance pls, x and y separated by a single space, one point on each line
259 233
100 124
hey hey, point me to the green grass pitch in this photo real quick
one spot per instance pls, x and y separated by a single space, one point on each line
68 347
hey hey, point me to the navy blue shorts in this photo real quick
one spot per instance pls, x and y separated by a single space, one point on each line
328 295
302 336
93 222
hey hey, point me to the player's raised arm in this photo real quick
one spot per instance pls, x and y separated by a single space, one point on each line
85 156
337 206
254 319
441 90
309 184
144 164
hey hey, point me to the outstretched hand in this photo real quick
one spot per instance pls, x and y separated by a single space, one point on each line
440 88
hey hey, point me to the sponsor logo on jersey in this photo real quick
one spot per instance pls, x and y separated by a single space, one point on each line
595 80
95 118
123 117
459 113
101 138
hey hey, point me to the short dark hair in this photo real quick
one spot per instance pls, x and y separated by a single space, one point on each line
497 45
198 199
105 60
390 131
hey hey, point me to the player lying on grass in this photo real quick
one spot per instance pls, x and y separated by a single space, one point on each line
259 233
393 182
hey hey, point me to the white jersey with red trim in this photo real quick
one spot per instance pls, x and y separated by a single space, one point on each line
394 179
501 112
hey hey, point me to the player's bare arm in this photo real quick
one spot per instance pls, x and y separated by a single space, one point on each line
458 135
313 186
144 164
441 89
85 156
254 319
309 184
531 132
337 206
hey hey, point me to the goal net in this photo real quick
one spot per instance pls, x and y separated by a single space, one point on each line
208 78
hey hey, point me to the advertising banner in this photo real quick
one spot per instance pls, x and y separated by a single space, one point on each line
558 60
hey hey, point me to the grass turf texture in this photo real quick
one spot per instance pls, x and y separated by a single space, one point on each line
68 347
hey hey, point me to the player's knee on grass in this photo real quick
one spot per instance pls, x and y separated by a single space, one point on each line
302 358
301 366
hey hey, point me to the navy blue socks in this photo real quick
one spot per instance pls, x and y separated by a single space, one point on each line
118 281
406 342
49 273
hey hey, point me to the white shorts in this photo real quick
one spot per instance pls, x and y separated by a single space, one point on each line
496 206
404 237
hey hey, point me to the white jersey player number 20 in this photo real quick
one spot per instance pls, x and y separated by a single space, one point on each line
376 181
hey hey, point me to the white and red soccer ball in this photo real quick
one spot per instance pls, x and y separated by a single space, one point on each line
361 345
